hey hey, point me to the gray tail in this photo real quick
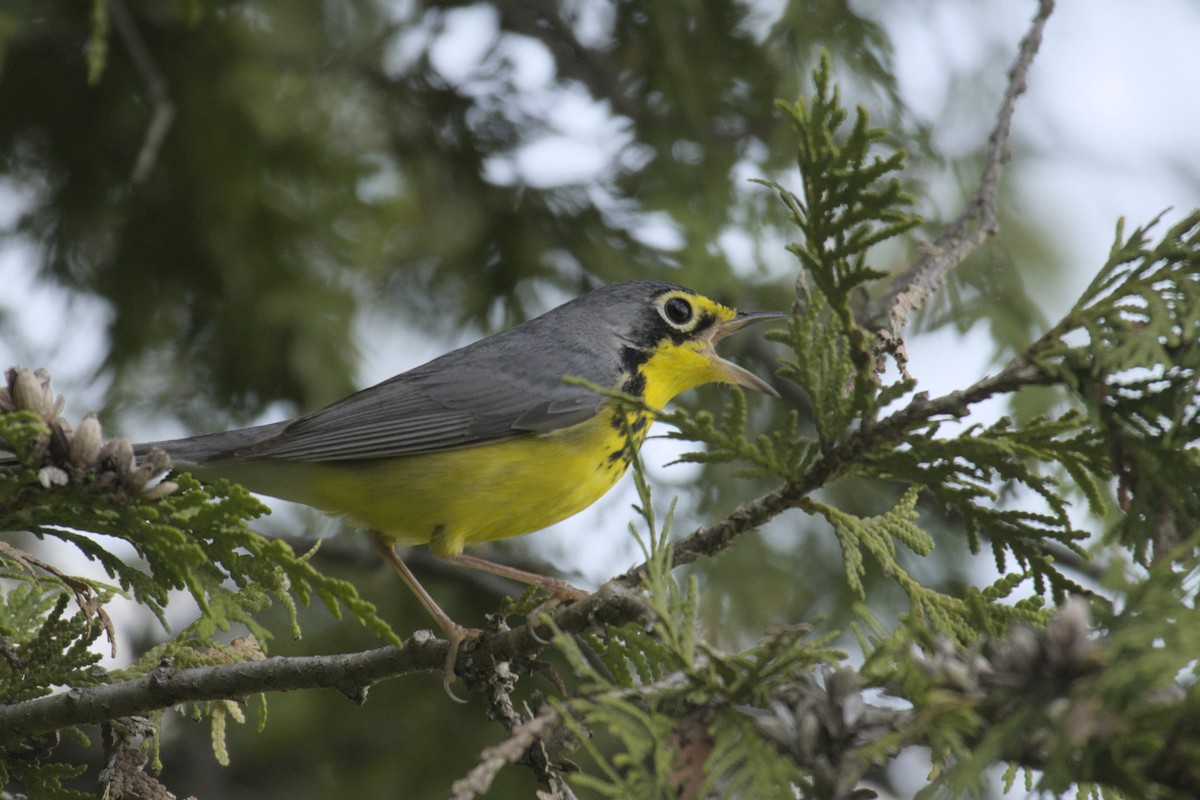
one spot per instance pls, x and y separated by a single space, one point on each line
196 450
213 447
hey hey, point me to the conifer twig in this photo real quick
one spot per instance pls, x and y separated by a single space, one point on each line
891 313
712 539
479 780
156 84
910 289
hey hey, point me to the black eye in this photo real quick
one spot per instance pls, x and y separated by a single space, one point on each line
678 311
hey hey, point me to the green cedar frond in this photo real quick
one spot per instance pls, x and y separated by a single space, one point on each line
51 648
849 203
1129 349
783 452
875 534
824 366
193 538
717 751
965 475
43 780
741 765
690 725
44 648
851 200
876 537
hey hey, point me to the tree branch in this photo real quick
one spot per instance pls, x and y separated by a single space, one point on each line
907 294
890 313
479 780
167 686
1048 686
352 674
712 539
156 84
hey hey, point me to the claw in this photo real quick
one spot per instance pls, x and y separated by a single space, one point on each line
532 619
561 594
454 637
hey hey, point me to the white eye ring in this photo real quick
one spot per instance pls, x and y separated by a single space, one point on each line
678 312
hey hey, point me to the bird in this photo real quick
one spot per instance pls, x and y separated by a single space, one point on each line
491 440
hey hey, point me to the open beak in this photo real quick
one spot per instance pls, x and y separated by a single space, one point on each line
729 371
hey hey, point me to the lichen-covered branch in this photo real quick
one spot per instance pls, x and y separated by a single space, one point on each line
890 313
352 673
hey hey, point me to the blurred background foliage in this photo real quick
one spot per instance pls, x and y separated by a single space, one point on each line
460 167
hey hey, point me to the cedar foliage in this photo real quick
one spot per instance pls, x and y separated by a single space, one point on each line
1081 689
991 679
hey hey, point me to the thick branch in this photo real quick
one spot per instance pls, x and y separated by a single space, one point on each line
352 673
167 686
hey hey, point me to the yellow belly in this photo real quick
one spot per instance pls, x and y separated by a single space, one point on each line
454 498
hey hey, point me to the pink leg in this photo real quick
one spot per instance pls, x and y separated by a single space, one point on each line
455 634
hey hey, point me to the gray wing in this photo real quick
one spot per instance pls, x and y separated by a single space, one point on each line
495 389
403 417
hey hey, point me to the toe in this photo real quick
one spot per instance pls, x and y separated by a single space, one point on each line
454 638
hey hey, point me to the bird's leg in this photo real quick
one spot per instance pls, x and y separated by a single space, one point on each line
455 634
555 586
559 590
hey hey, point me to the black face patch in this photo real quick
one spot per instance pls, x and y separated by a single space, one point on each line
705 322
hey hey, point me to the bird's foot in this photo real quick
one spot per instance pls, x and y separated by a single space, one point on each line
455 635
560 592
